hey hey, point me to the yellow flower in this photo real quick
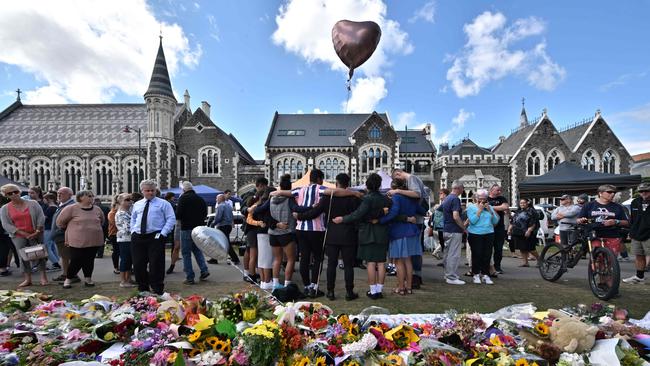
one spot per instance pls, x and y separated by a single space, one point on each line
494 339
172 357
212 341
542 328
109 336
352 363
194 352
521 362
534 364
194 336
320 361
302 362
394 360
404 331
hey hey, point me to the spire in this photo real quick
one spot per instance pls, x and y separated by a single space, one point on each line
160 83
523 118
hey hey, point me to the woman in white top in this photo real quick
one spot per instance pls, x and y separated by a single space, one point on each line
123 223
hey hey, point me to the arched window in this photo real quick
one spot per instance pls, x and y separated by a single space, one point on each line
374 133
533 164
589 160
554 158
181 166
71 171
373 158
331 165
466 197
102 175
290 164
209 160
609 162
41 172
10 169
132 177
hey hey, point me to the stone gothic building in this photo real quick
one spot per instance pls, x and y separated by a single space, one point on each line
109 148
357 144
532 149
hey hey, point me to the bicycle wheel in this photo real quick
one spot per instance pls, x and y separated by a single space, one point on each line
552 262
604 274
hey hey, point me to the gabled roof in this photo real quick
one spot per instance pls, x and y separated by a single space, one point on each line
467 147
516 139
55 126
311 125
200 117
160 83
419 143
572 136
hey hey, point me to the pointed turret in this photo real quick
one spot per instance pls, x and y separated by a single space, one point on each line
523 118
160 83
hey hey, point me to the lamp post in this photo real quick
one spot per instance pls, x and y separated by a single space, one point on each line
129 129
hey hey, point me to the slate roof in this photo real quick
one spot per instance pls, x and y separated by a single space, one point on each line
160 83
312 124
573 135
421 144
72 126
467 147
516 139
241 150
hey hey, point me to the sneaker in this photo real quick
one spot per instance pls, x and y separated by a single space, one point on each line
126 285
61 278
350 295
623 259
189 282
477 279
499 271
204 276
634 279
213 261
487 280
228 262
341 266
56 265
455 281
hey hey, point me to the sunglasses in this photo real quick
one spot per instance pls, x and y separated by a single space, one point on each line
11 193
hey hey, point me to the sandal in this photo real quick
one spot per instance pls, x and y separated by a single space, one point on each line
400 291
24 284
408 291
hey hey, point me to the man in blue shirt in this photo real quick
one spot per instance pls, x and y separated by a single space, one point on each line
453 229
152 220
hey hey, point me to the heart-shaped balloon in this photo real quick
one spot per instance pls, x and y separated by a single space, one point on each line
355 42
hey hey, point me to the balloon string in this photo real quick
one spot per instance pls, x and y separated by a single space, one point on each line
348 85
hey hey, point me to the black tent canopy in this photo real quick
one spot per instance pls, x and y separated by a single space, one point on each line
4 180
569 178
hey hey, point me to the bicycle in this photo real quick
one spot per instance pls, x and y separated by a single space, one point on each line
603 271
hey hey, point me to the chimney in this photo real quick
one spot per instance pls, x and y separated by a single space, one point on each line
186 96
206 108
502 139
444 147
427 131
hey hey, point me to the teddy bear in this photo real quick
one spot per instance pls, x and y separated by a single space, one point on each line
571 334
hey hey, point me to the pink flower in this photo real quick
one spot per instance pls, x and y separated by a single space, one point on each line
74 335
414 346
162 326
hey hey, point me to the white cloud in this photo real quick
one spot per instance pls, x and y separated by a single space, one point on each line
305 30
88 51
489 55
366 94
319 111
427 13
622 80
631 127
461 118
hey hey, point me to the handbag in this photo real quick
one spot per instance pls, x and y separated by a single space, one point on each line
33 252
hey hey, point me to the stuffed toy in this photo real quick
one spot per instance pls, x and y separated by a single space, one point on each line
571 334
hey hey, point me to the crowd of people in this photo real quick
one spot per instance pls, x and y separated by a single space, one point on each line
287 226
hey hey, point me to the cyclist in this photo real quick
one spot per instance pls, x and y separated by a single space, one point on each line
640 231
608 217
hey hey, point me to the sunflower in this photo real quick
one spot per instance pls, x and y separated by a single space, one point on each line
521 362
353 363
194 352
212 341
302 362
542 329
320 361
394 360
227 348
194 336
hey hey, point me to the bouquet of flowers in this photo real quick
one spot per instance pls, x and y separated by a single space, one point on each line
262 342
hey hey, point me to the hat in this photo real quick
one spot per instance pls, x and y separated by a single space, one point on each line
643 187
583 197
565 196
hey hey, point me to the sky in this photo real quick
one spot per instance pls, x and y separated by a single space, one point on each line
463 66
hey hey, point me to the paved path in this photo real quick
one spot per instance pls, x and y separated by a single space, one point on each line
224 273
